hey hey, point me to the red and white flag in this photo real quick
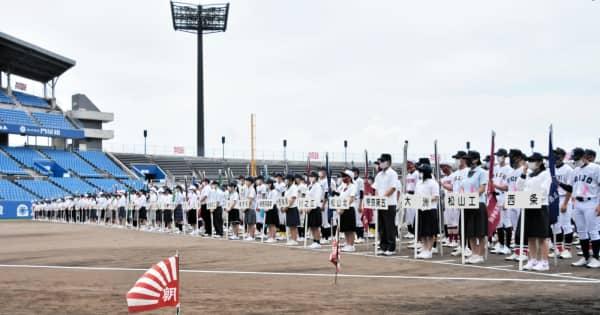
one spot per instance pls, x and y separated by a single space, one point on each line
178 150
334 257
492 207
157 288
21 86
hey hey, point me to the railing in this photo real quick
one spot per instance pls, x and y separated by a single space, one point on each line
358 158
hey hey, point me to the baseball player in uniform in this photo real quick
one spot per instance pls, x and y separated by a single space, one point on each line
563 229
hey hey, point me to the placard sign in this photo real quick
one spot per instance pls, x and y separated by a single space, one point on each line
339 203
307 203
524 199
265 203
461 201
244 204
415 201
374 202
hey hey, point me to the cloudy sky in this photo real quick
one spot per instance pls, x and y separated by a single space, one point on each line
318 72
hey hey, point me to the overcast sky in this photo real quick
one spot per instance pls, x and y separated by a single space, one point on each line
318 72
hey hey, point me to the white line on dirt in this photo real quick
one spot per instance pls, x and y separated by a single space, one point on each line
314 275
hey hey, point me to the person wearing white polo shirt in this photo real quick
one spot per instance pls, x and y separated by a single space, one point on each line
386 185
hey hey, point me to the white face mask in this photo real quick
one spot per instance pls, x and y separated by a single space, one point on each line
456 163
532 165
578 163
501 159
383 164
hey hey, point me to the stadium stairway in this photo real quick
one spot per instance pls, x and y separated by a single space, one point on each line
101 161
89 171
73 185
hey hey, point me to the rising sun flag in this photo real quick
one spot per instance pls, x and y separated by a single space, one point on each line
157 288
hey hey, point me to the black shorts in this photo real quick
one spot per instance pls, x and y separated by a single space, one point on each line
476 221
192 216
292 217
272 216
233 216
348 220
159 215
428 223
143 213
168 216
315 218
122 213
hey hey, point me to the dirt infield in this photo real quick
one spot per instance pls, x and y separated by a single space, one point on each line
238 277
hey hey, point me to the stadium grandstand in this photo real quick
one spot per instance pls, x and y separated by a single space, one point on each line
73 162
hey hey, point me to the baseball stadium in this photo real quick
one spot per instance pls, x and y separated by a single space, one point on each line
91 226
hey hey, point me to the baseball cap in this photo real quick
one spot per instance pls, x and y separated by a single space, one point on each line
460 155
385 157
501 152
535 157
473 155
577 154
560 152
590 152
347 173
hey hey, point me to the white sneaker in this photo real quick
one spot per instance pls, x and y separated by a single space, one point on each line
504 251
359 241
315 246
475 259
425 255
324 241
380 252
234 238
580 263
457 252
434 250
348 248
249 239
496 248
468 252
389 253
412 245
566 254
271 240
593 263
512 257
552 255
409 235
521 258
291 243
530 264
541 266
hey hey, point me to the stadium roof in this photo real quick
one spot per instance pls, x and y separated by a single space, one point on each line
30 61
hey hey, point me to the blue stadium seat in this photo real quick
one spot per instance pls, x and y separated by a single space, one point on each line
103 162
134 184
42 188
27 156
10 191
74 185
107 184
30 100
8 166
4 98
17 117
53 121
70 161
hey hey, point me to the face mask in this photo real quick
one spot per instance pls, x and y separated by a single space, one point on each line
532 165
579 163
501 160
456 163
487 165
346 180
383 165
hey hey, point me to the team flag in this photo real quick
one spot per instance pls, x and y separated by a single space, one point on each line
492 211
553 197
157 288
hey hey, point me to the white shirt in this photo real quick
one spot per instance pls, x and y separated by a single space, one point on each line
564 174
539 183
429 187
411 181
348 190
384 181
291 192
586 181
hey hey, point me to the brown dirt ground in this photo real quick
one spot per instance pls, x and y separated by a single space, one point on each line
52 291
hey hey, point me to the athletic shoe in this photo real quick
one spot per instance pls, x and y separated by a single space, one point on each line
291 243
249 239
412 245
521 258
530 264
504 251
593 263
234 238
217 236
580 263
315 246
389 253
566 254
300 239
380 252
579 253
425 255
457 252
409 235
552 255
496 248
468 252
271 240
434 250
348 249
541 266
359 241
475 259
324 241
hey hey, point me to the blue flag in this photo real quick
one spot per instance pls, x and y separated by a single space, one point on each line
553 197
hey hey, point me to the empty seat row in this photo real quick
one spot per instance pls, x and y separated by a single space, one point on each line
74 185
8 166
17 117
70 161
31 100
10 191
107 184
53 121
28 157
101 161
42 188
4 98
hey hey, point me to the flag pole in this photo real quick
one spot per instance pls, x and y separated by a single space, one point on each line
178 308
552 167
440 198
404 174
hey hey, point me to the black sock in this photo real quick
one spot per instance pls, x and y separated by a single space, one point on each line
360 232
559 238
595 248
501 236
585 248
508 236
317 241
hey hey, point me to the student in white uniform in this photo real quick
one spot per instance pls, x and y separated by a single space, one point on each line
445 181
204 213
504 229
292 216
412 177
360 194
537 221
233 212
261 193
455 186
518 164
387 185
563 227
476 220
586 188
326 214
315 218
428 217
272 215
249 193
347 223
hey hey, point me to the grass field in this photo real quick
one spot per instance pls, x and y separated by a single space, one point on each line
52 268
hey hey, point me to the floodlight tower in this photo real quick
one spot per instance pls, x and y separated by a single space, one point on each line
200 19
